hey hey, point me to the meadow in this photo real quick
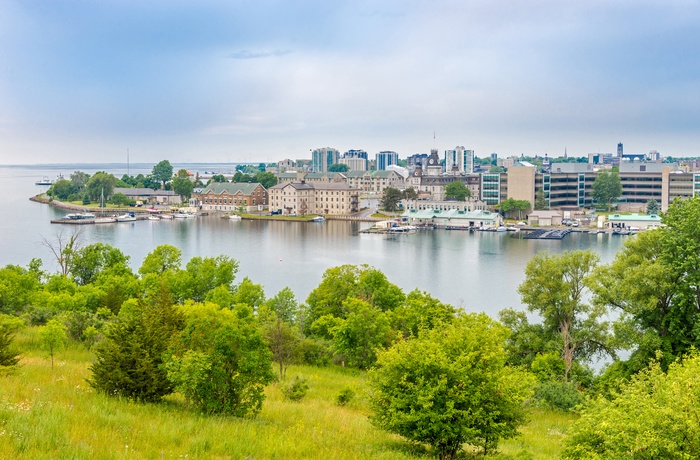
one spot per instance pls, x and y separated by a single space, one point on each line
50 413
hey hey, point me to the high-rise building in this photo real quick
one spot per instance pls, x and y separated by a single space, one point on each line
385 159
464 159
619 149
323 158
355 154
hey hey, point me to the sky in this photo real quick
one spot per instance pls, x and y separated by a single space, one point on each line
263 80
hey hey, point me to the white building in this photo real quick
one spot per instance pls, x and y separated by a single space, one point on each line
462 158
301 198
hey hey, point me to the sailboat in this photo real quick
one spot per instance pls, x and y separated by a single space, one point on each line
104 219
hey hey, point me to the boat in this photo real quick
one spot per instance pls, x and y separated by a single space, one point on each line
128 217
105 219
502 229
79 216
166 216
44 181
318 219
234 217
152 217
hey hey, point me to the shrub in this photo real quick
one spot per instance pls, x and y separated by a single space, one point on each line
296 389
8 326
314 352
558 395
344 397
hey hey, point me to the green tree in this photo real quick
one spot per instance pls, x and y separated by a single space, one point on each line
120 199
220 178
283 340
410 194
163 258
249 293
390 199
100 183
62 189
653 416
420 311
17 288
338 167
182 185
266 179
555 287
203 274
653 207
79 180
450 386
606 188
284 304
162 172
457 190
129 360
92 260
541 201
220 361
9 325
53 337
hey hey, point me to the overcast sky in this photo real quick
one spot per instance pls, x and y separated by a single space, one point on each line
230 81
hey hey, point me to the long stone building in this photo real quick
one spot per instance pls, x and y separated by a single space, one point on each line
301 198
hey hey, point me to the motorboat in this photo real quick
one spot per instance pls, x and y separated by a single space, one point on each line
234 217
152 217
502 229
128 217
318 219
105 219
79 216
44 181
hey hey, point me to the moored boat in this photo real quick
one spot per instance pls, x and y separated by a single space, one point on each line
128 217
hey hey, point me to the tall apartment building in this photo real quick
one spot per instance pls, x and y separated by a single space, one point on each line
324 157
354 164
355 154
462 158
385 159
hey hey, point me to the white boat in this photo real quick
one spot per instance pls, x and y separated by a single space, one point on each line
128 217
234 217
183 215
79 216
105 220
44 181
166 216
502 229
318 219
152 217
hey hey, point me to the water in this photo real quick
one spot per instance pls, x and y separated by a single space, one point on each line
476 271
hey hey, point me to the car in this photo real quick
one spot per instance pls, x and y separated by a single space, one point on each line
521 224
575 223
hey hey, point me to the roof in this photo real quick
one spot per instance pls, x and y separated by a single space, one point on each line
315 186
544 214
634 217
142 191
232 188
451 214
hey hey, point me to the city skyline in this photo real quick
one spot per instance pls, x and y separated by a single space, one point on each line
222 81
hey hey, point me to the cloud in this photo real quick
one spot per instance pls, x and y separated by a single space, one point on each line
247 54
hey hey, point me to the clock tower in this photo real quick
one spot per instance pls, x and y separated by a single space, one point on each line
434 168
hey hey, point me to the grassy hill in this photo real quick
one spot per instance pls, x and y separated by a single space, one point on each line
50 413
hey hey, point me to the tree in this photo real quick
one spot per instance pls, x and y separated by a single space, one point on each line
266 179
182 185
653 207
390 199
541 200
513 205
420 311
450 386
163 258
162 172
120 199
63 247
220 361
283 340
410 194
17 288
555 288
457 190
53 337
92 260
62 189
652 416
220 178
338 167
100 183
9 325
204 274
79 180
284 304
606 188
129 360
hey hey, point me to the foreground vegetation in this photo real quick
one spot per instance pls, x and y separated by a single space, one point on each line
47 413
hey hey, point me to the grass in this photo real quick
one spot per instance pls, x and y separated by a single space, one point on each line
47 413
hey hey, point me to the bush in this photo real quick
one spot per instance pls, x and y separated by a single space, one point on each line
86 199
8 326
344 397
557 395
296 389
315 352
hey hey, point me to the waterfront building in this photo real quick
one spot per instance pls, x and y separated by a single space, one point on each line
149 196
544 218
384 159
471 204
230 196
633 221
322 158
301 198
453 218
